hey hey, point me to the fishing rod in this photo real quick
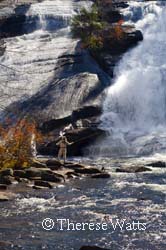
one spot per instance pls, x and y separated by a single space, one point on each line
82 139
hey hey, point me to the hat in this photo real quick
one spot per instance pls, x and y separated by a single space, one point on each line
61 133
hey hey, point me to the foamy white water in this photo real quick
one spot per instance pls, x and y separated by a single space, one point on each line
135 106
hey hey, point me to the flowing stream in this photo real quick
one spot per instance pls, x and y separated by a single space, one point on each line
135 106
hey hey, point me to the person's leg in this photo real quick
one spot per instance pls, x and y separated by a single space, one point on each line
64 154
60 154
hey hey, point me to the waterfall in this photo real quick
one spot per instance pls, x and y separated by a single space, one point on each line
134 111
58 10
30 60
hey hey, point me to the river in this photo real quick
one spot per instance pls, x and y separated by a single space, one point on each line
134 113
131 197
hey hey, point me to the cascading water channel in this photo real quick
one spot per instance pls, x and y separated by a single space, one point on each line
30 60
135 106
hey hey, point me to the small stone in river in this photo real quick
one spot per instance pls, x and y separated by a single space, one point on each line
92 248
102 176
43 184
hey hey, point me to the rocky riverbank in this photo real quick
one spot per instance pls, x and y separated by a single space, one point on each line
47 173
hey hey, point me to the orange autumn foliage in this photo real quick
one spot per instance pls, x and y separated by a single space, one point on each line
119 32
15 144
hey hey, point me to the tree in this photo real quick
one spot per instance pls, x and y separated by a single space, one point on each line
16 144
87 25
94 27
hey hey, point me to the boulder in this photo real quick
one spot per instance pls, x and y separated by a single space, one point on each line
130 39
82 86
86 112
55 167
92 248
157 164
38 164
34 178
101 175
3 197
59 175
133 169
52 177
7 180
8 171
3 187
5 245
6 196
33 172
81 113
19 173
39 187
142 169
72 174
43 184
74 166
50 125
87 171
55 163
22 180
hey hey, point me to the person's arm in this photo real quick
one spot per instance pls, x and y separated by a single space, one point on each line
68 143
58 143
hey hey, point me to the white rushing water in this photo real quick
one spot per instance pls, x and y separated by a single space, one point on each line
135 106
30 60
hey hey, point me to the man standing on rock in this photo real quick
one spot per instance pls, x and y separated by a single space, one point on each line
63 147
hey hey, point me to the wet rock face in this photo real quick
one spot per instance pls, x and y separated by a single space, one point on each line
17 23
111 55
71 78
129 40
13 22
61 97
81 113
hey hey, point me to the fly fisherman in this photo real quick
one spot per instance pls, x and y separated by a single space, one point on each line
63 147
